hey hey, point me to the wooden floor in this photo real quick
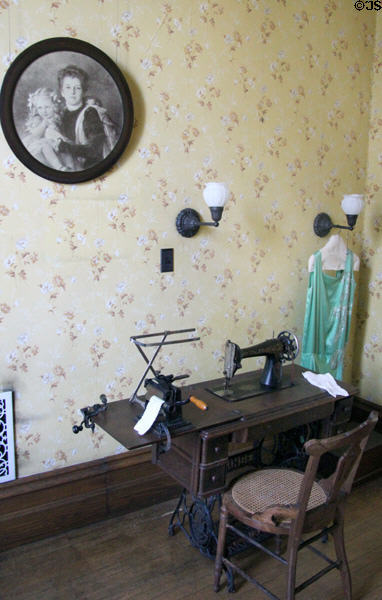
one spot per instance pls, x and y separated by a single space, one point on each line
132 558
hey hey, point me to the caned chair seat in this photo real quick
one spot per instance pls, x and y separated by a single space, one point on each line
262 489
287 503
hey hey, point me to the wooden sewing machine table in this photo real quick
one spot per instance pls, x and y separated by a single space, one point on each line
199 456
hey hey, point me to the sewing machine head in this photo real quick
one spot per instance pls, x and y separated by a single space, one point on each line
276 350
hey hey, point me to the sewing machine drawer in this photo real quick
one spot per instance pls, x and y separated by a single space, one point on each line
342 411
181 461
214 449
339 418
212 479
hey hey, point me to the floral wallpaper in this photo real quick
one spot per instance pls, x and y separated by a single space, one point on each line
368 351
278 99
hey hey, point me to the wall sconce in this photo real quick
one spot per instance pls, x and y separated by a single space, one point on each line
188 220
351 204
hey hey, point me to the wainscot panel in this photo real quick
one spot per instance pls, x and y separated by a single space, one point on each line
50 503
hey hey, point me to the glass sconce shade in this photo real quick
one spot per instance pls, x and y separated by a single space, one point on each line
352 204
215 194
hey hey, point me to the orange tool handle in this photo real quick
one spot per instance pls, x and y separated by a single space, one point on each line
199 403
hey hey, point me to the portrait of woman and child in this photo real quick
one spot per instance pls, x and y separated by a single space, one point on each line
66 128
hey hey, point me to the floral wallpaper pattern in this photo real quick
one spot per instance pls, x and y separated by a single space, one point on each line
368 353
278 99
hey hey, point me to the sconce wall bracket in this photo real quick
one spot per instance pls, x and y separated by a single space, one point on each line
351 204
323 224
188 221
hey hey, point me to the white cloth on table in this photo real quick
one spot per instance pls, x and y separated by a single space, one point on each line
326 382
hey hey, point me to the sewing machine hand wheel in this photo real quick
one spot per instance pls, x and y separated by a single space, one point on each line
290 343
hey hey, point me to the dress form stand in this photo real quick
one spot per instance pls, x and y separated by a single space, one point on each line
333 255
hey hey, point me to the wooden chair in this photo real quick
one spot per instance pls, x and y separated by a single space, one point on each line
285 502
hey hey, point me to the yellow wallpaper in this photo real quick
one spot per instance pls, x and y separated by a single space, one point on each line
271 97
368 351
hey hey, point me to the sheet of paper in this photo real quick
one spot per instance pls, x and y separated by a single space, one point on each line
150 414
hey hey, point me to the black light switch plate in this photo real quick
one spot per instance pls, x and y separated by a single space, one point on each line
166 260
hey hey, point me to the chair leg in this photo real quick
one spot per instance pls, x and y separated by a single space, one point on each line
220 546
339 544
292 551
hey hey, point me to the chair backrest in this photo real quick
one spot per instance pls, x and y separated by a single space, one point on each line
351 444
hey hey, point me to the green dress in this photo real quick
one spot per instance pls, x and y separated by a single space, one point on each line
329 304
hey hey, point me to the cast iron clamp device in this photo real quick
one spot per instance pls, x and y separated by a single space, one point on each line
88 413
170 415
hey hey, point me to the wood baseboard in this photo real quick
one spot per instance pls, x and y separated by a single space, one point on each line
50 503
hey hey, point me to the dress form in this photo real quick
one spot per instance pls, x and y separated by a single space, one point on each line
329 304
333 255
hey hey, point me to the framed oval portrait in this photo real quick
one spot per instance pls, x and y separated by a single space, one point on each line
66 110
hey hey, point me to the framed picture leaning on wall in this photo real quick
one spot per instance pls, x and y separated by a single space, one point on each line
66 110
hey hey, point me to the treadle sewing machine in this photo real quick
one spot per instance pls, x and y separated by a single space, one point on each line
169 417
195 430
